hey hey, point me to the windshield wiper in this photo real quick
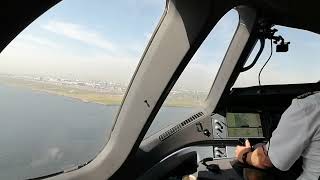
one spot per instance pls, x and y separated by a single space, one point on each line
60 172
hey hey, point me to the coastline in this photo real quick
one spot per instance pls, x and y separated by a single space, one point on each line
83 95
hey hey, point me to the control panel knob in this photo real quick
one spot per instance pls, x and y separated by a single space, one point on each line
217 154
206 132
216 127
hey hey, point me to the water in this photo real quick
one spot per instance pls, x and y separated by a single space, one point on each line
42 133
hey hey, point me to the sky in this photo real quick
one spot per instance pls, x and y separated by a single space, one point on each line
85 39
104 40
299 65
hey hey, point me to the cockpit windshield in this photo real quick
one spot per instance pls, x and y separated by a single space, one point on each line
298 65
62 80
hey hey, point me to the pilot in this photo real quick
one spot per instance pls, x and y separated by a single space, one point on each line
297 134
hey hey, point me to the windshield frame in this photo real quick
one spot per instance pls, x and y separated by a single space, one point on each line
175 24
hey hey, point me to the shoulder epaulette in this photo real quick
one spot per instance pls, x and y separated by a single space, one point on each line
302 96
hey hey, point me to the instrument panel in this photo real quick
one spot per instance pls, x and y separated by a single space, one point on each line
234 126
237 125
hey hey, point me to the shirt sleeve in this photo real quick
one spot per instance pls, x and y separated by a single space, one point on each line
291 136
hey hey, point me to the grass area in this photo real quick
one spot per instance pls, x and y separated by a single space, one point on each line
181 103
64 90
85 95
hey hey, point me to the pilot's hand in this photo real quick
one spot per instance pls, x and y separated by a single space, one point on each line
189 177
240 150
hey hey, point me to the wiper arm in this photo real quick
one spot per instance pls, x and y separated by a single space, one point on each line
60 172
262 43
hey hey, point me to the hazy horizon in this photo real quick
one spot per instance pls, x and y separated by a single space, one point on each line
96 41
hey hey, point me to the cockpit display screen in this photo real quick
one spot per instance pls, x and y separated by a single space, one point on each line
244 125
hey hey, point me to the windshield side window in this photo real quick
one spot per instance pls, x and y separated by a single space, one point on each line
298 65
62 81
195 82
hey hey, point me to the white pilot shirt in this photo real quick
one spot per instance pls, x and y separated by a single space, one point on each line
298 134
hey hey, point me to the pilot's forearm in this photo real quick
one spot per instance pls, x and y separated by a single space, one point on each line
258 158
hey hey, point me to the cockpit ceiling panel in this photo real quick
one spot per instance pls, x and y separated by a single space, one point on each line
291 13
15 15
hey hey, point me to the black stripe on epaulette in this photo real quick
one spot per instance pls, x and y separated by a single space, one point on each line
302 96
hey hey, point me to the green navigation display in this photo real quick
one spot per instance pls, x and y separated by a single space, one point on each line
244 125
